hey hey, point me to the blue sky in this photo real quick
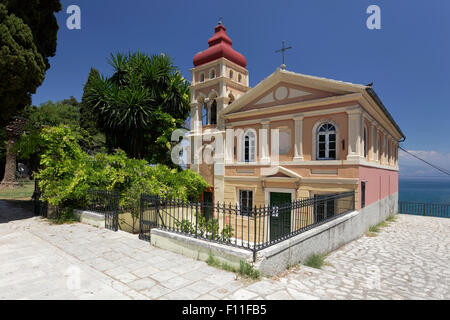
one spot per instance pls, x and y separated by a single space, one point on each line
407 60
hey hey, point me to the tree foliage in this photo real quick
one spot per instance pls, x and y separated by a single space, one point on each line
140 105
28 32
67 173
65 112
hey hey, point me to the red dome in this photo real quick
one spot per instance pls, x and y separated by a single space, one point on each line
220 46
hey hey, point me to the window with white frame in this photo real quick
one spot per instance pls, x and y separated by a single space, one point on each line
326 142
239 78
212 74
246 201
202 77
249 146
231 74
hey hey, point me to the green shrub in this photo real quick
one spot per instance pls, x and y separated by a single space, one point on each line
67 174
206 228
185 226
64 215
227 233
247 270
315 261
391 218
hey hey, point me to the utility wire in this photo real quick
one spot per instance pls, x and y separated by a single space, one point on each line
430 164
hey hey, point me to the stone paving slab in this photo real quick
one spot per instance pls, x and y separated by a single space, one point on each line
409 259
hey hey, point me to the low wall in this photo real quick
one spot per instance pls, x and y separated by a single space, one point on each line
197 248
324 238
277 258
89 217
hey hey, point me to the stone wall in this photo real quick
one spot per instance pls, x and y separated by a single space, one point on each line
277 258
324 238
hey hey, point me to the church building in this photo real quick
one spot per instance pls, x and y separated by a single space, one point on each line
331 136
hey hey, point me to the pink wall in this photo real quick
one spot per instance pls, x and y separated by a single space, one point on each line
380 183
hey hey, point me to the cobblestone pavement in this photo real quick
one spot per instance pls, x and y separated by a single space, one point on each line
409 259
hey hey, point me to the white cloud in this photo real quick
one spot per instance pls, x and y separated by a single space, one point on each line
410 166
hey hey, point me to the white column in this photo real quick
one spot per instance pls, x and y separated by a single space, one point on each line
229 146
362 126
208 113
354 134
298 140
372 143
264 141
195 117
222 69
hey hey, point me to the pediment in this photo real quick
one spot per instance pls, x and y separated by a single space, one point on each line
279 172
284 88
285 93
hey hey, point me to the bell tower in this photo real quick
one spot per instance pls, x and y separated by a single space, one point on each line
218 78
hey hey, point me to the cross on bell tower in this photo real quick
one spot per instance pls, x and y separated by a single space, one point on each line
282 50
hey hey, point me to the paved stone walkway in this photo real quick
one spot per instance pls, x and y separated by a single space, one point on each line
409 259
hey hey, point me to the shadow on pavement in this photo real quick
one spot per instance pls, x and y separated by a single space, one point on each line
11 210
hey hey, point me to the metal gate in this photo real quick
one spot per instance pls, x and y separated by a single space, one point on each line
149 211
40 207
106 203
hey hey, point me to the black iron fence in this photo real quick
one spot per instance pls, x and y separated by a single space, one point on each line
40 206
99 201
106 203
250 228
425 209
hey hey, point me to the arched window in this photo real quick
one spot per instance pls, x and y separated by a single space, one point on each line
213 119
202 77
239 78
231 74
212 74
326 142
249 146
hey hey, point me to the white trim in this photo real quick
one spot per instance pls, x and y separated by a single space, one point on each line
291 106
332 163
306 114
327 180
227 62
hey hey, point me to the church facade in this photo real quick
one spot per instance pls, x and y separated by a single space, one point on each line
291 136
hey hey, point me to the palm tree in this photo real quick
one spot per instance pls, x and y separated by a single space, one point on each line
144 99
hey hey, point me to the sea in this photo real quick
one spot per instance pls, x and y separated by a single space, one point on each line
430 190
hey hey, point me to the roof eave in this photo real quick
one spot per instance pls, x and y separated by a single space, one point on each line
378 101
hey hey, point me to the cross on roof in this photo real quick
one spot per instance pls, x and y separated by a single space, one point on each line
282 50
